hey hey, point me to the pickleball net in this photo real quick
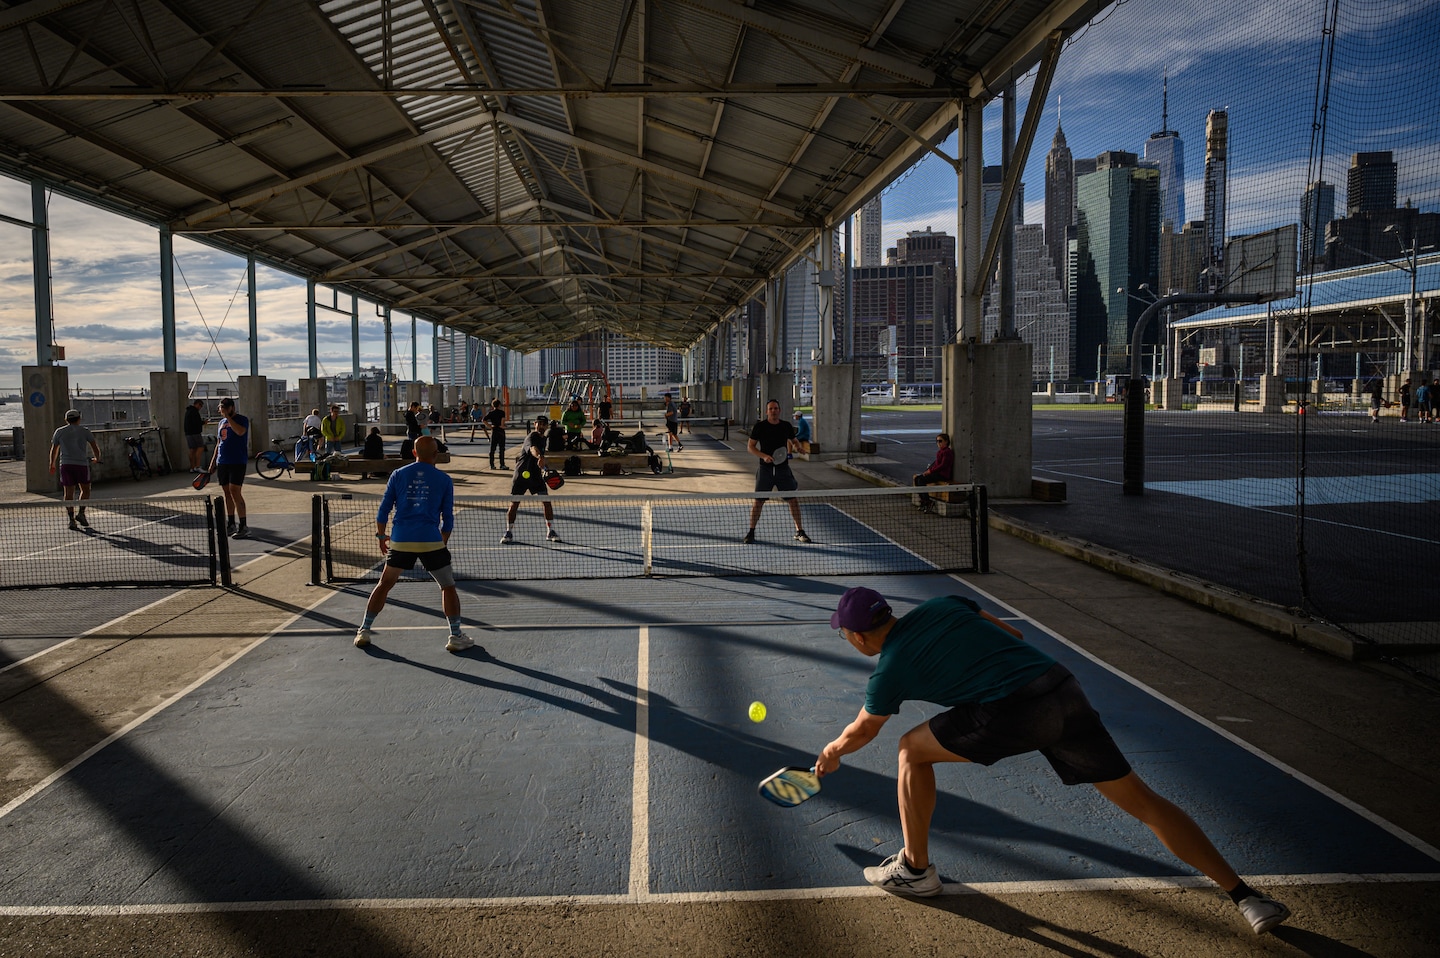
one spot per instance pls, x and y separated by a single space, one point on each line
852 532
170 541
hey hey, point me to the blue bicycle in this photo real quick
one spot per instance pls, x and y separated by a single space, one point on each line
272 463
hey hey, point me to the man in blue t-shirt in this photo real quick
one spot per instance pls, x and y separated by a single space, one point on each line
423 501
1005 698
232 455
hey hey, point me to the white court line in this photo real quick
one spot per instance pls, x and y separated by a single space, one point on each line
639 884
1400 833
106 625
991 889
59 773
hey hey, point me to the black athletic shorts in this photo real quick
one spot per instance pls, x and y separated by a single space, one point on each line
431 560
535 485
230 474
1049 715
778 478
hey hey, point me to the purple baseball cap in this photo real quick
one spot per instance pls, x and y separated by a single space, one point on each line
860 610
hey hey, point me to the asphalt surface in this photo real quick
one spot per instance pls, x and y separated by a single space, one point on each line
1220 503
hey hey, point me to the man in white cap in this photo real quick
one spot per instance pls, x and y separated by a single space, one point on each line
72 449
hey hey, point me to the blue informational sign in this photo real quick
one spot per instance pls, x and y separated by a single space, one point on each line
37 399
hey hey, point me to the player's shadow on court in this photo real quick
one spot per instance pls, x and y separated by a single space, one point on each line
1317 945
1011 921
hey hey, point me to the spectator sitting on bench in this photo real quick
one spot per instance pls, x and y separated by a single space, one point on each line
573 419
555 438
374 448
939 471
802 434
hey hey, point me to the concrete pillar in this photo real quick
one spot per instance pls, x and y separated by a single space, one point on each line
986 411
47 396
356 399
776 386
1169 393
169 394
389 400
836 395
1318 388
254 404
1272 394
441 396
312 396
742 402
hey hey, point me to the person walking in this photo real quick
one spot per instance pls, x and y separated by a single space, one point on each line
1422 399
769 437
332 429
530 477
72 450
1377 398
495 425
1406 390
232 456
672 424
422 499
684 415
939 472
194 429
1005 698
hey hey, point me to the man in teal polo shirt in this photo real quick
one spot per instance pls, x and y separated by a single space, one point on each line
1005 697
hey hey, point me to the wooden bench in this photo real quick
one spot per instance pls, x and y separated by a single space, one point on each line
354 465
591 462
947 504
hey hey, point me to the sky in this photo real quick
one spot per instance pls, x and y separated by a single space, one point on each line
1258 59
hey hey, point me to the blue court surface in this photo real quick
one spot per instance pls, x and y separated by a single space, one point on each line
313 771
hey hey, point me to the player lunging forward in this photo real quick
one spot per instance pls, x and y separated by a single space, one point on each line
1006 698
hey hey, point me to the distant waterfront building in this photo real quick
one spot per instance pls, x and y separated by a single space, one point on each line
1317 209
631 364
913 299
1166 150
1059 204
1117 225
869 221
1370 183
1042 313
1217 138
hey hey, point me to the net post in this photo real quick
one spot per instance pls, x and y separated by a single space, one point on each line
315 539
647 538
980 530
210 536
226 579
325 535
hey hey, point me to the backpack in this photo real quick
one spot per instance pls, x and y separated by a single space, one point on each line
611 469
572 466
653 461
637 443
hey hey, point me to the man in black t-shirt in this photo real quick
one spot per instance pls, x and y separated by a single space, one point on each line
770 443
530 477
495 425
194 427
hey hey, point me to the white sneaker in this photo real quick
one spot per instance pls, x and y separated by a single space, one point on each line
1262 913
507 538
459 642
362 638
894 875
553 536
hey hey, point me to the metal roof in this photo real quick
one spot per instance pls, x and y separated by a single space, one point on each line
520 170
1361 288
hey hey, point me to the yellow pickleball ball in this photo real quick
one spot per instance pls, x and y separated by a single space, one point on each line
757 711
525 474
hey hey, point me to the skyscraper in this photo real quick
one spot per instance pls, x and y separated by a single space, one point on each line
869 219
1316 210
1042 316
1166 150
1117 225
1217 135
1059 203
992 179
1370 183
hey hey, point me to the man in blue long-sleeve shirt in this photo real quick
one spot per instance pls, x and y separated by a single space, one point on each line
423 501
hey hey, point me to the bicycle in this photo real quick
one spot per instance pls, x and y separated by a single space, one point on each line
139 462
272 462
